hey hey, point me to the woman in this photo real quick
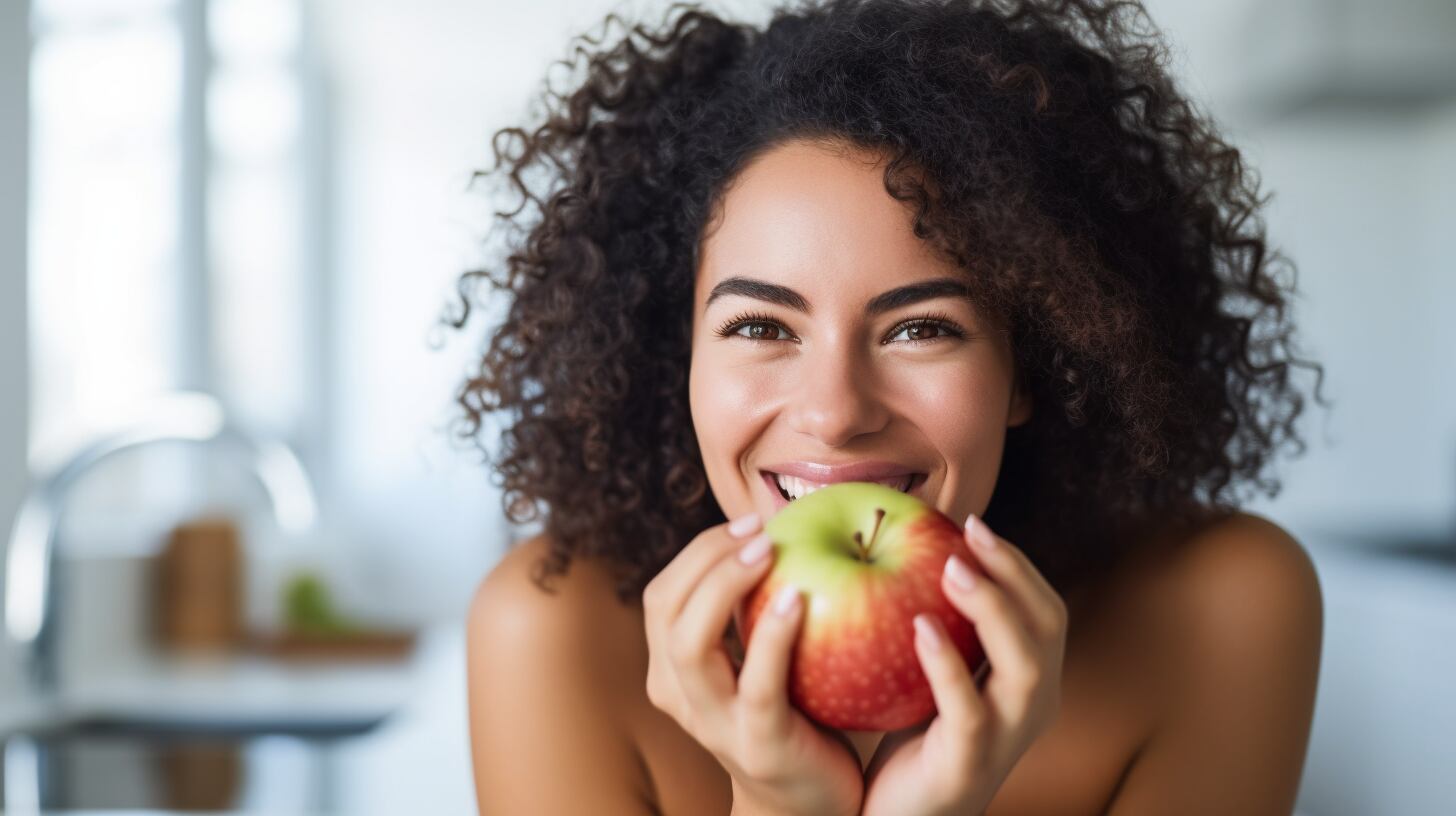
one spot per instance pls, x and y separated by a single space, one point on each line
984 253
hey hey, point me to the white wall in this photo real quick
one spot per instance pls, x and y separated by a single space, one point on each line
1360 205
1363 204
14 368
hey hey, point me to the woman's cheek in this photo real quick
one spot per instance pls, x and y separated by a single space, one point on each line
727 403
723 396
962 413
954 404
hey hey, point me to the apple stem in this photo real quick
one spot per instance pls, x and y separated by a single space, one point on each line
879 516
864 550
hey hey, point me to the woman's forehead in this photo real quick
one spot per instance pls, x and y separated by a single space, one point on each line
811 218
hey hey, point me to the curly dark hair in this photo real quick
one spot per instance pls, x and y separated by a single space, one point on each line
1042 147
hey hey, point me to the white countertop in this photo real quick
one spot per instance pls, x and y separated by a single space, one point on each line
236 688
417 761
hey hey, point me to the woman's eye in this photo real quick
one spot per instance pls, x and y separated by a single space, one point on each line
917 332
922 331
758 330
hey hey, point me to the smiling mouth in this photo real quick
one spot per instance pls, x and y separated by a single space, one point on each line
790 488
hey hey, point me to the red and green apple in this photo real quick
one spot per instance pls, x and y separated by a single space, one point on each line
866 559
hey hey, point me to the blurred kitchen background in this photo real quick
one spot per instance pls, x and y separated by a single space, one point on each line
239 223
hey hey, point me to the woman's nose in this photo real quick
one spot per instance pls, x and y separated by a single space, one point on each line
836 399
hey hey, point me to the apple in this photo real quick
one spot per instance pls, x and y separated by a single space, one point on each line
866 559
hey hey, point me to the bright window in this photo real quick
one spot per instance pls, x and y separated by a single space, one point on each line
166 228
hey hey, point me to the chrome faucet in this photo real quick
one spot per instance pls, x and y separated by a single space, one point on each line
31 601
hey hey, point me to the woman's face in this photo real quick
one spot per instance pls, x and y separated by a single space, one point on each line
869 360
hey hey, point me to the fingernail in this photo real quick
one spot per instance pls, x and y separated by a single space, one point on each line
743 525
929 638
755 550
959 574
980 532
786 600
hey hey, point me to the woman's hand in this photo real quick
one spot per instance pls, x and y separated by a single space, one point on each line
957 763
780 762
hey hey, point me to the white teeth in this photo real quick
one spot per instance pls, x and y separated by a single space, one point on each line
797 488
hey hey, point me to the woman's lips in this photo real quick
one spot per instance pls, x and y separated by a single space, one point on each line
779 502
863 470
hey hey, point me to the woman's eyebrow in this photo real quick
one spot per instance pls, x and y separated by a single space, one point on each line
916 292
884 302
759 290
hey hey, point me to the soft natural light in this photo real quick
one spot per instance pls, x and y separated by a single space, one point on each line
107 252
255 195
83 12
263 30
103 225
253 112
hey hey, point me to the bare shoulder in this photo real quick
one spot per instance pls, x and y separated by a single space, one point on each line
1242 624
550 680
1248 546
576 616
587 584
1225 590
1246 576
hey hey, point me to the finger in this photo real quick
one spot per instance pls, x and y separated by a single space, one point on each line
697 635
706 614
1015 657
1013 571
665 595
952 685
669 590
890 744
746 525
763 683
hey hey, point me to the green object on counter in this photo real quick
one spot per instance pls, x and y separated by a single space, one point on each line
308 607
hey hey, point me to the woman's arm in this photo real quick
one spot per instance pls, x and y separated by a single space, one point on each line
547 734
1251 625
